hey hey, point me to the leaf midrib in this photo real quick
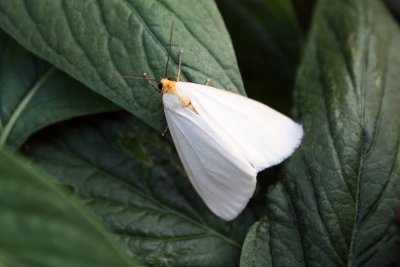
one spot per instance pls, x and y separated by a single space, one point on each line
154 201
23 105
363 85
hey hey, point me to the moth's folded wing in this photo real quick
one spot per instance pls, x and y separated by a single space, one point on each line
220 174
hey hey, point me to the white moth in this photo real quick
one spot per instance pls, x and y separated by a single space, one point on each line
223 140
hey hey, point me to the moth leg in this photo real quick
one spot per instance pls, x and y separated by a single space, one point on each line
165 131
207 82
178 74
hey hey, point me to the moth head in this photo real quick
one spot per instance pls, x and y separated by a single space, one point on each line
167 86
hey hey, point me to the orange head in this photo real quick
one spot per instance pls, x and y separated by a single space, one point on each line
167 86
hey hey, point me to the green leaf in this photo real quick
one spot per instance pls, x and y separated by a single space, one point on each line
34 94
42 226
336 203
267 43
97 42
132 178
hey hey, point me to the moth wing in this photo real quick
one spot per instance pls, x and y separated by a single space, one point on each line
264 136
220 174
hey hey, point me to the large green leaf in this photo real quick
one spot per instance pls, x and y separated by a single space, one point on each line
34 94
42 226
268 44
97 42
336 203
131 177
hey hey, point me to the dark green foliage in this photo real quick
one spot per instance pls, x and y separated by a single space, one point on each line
41 226
131 177
337 200
333 203
34 94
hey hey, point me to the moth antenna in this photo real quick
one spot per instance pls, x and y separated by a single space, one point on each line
169 50
178 74
145 77
151 85
140 78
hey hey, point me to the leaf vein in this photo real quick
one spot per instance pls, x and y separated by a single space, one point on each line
140 193
325 227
